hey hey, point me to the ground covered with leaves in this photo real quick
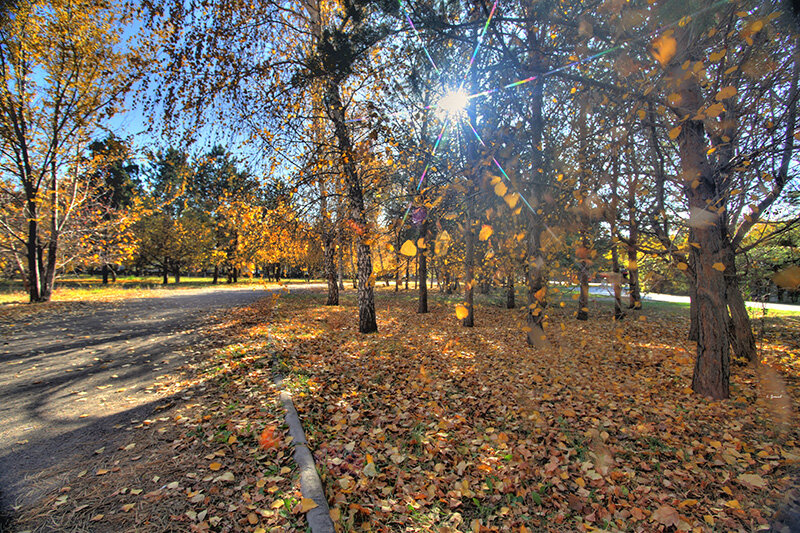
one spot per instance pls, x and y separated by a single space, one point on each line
431 426
428 426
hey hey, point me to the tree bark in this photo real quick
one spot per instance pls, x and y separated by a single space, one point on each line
215 280
743 342
104 273
422 270
34 274
367 322
635 297
510 293
469 274
165 274
711 375
329 250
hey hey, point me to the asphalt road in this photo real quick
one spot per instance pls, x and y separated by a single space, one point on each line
69 381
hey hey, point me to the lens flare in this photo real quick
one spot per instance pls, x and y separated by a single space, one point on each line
453 103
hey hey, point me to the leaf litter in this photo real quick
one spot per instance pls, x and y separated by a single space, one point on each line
428 426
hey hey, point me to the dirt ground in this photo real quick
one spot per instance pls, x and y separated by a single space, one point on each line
76 376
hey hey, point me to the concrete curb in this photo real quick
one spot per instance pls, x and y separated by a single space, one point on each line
319 518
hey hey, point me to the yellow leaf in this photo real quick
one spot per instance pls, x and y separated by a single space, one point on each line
461 312
214 466
733 504
102 472
682 266
539 295
674 132
788 278
486 232
127 507
715 110
306 504
716 56
641 114
511 199
408 249
674 99
725 92
718 266
663 49
500 189
421 243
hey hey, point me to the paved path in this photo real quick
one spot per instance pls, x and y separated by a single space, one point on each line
608 290
67 378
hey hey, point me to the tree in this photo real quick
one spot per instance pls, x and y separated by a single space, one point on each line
115 177
62 73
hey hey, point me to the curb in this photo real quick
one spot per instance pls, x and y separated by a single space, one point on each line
319 518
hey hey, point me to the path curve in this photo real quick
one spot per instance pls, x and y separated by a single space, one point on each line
71 381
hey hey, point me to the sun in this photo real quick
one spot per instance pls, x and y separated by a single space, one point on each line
453 103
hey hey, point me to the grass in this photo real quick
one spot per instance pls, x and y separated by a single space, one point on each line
74 288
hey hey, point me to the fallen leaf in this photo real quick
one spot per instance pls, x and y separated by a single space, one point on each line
306 504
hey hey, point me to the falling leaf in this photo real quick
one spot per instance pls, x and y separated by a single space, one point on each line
718 266
486 232
664 48
500 189
268 439
788 278
408 249
511 199
726 92
461 312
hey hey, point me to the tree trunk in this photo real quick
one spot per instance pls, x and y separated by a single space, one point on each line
215 280
329 250
177 273
617 283
635 301
340 261
422 270
469 274
510 293
583 296
535 189
712 367
537 287
743 342
113 273
367 322
165 273
34 273
694 327
104 273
